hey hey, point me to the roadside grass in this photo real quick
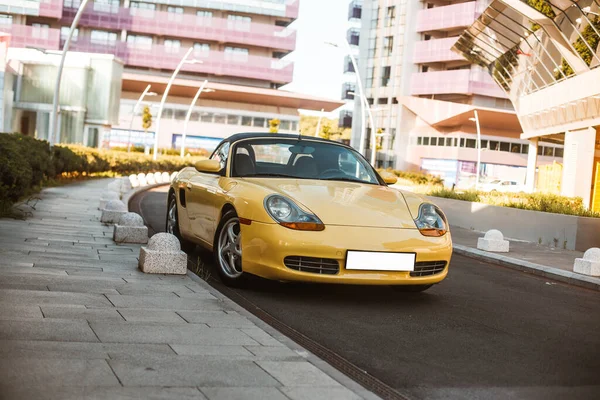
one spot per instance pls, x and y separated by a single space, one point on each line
199 268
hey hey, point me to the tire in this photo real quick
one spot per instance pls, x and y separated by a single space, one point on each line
227 251
186 245
411 288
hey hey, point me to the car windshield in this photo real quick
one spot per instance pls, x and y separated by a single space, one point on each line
299 159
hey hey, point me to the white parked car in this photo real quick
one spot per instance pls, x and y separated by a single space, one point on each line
499 185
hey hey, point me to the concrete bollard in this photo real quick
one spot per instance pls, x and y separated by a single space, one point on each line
173 175
130 229
163 255
166 178
157 177
589 264
150 178
125 185
133 180
493 240
106 197
114 186
142 179
113 211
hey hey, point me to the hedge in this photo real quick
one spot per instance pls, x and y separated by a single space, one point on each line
27 163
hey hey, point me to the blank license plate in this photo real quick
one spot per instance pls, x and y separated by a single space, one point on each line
379 261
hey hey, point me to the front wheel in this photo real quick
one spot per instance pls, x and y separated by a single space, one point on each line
228 250
411 288
172 224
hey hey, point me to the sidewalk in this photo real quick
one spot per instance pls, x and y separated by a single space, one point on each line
529 257
79 320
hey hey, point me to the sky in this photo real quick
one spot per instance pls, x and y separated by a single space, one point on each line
318 68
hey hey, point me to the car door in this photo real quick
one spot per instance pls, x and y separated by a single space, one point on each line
203 197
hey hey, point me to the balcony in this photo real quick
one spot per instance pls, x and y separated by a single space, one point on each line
291 9
355 10
29 36
51 8
447 18
214 62
463 81
435 50
345 119
41 8
186 26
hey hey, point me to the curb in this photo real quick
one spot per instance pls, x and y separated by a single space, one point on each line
128 195
569 277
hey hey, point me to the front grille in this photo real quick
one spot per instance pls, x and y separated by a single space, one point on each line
426 268
324 266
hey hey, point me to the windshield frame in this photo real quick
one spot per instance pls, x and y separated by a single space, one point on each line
294 140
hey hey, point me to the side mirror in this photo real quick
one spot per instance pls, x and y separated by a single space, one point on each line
389 177
210 166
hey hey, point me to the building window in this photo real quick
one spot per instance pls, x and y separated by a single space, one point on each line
194 116
238 22
471 144
180 114
141 8
390 16
259 122
448 142
204 14
388 45
200 48
515 148
206 117
139 41
524 148
424 68
284 125
353 36
549 151
103 37
5 19
504 146
110 6
233 119
433 141
246 121
494 145
236 53
167 113
484 144
425 141
385 75
419 141
175 13
558 152
172 45
64 32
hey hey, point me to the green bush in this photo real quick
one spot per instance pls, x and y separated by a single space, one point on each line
418 178
551 203
27 163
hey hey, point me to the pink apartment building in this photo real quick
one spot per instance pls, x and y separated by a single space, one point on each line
239 46
423 95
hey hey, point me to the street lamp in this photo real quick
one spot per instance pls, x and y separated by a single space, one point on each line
319 122
135 108
365 103
54 114
184 60
476 119
189 113
588 10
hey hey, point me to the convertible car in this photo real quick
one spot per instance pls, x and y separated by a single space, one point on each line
299 208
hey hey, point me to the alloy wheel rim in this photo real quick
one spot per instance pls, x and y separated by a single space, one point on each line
230 250
172 218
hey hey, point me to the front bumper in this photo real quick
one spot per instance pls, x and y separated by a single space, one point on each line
264 247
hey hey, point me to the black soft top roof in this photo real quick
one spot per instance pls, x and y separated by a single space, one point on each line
250 135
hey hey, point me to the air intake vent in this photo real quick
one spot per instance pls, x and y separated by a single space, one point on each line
323 266
427 268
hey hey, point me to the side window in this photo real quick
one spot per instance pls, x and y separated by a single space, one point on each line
221 155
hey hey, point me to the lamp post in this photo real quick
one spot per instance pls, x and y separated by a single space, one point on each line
319 123
55 100
164 97
365 103
476 119
135 108
189 113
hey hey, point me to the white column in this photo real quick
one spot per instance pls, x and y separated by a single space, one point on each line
531 165
578 164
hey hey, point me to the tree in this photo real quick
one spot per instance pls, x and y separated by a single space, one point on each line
146 118
584 51
326 132
544 7
274 125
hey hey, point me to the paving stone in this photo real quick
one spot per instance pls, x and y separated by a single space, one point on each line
6 263
33 271
47 392
246 393
35 371
275 353
216 319
23 287
78 331
27 297
8 311
196 350
200 372
145 315
297 373
176 334
172 303
305 393
261 337
81 312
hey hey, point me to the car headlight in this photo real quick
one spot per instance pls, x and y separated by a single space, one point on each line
286 213
431 221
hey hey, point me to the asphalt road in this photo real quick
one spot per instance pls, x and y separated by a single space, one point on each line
486 332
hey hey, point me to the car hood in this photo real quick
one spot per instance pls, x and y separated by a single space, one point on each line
347 203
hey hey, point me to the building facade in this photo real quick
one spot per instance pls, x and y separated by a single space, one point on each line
239 46
424 96
349 89
545 56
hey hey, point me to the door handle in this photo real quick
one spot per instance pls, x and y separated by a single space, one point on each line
189 186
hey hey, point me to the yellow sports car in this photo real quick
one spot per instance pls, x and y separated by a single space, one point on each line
298 208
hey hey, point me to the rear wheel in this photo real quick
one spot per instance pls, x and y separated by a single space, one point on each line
411 288
172 224
228 250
